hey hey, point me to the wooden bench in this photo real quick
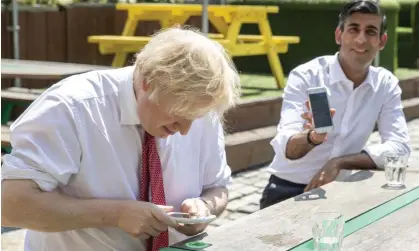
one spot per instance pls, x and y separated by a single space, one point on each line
246 45
5 139
29 69
15 97
18 94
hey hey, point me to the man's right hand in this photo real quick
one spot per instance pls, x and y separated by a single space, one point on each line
144 219
317 138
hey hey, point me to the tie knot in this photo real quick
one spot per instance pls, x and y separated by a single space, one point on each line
148 140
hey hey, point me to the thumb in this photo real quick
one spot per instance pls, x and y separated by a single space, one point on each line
160 214
165 208
332 112
188 206
307 105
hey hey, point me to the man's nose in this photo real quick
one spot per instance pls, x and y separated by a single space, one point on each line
360 39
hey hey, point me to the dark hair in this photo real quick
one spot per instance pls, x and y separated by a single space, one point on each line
362 6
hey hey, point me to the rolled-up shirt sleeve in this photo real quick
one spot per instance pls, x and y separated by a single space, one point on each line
392 128
293 105
217 173
45 146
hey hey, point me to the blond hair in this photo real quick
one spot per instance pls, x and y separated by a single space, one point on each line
194 71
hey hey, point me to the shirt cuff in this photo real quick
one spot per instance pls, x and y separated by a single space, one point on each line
377 152
279 143
45 181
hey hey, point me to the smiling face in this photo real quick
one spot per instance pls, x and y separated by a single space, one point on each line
360 39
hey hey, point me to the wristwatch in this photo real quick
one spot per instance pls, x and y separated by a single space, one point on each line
309 139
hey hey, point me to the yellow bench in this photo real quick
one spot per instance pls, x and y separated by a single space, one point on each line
227 20
246 45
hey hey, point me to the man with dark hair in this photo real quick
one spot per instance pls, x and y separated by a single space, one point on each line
366 7
359 94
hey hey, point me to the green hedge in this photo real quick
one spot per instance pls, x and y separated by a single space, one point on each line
405 18
415 20
408 45
314 22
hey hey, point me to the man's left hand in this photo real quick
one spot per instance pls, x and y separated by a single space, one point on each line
326 174
194 206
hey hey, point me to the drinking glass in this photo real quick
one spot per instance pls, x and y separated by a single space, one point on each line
395 166
328 231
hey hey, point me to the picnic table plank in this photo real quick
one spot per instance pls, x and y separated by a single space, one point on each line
20 94
5 136
287 224
398 231
11 68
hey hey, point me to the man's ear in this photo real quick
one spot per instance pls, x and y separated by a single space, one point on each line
338 34
383 40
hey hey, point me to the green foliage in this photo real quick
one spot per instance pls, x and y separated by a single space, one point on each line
324 4
314 23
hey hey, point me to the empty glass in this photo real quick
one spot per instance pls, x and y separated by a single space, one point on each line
328 231
395 166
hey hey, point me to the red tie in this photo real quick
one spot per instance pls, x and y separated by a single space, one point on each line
151 172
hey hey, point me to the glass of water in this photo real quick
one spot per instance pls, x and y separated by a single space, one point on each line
328 231
395 166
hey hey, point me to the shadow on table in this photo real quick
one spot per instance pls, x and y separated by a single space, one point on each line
8 229
358 176
315 194
192 243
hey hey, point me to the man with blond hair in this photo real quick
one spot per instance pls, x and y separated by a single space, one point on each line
100 158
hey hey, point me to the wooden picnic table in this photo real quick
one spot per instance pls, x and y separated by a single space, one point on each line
287 225
13 68
227 20
16 96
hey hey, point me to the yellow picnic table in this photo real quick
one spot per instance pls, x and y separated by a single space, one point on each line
227 20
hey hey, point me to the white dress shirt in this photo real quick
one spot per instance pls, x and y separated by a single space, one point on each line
377 99
81 136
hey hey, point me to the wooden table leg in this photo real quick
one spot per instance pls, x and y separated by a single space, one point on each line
219 23
273 57
129 30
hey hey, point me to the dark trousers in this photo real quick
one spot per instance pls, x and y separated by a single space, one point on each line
279 190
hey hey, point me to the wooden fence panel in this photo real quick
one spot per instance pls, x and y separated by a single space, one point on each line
6 43
41 37
61 34
83 21
56 36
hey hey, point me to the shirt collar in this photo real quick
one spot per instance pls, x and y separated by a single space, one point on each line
127 100
338 76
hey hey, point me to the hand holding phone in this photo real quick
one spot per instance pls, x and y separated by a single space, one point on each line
319 117
190 219
194 216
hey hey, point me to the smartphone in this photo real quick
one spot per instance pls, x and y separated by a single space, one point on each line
319 107
186 218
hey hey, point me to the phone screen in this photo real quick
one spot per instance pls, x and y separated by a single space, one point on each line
320 108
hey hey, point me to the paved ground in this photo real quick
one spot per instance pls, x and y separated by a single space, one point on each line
245 191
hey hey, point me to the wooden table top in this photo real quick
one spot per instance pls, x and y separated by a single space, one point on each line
11 68
287 224
397 231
